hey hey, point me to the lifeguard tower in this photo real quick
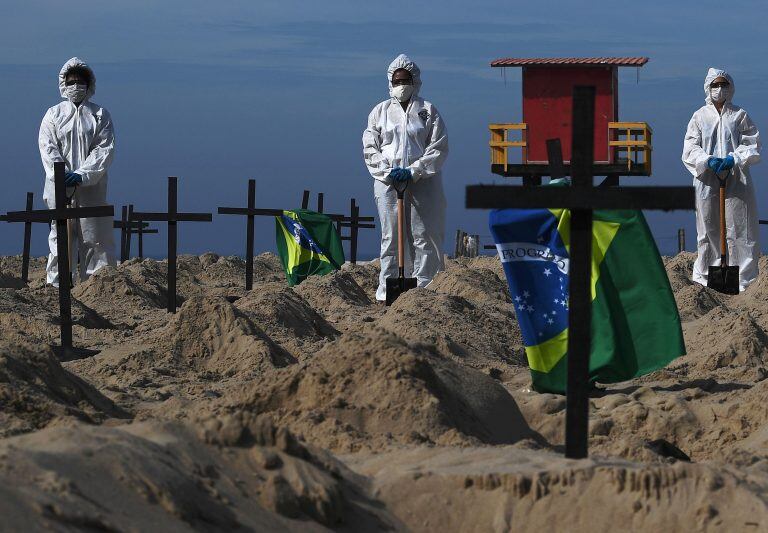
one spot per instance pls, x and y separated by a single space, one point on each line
621 148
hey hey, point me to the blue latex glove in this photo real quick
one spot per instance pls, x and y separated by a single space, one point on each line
400 174
714 163
395 174
727 164
73 179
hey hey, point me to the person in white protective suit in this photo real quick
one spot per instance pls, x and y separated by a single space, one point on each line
79 133
721 137
406 140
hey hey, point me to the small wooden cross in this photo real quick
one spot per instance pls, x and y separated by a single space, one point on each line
172 217
130 225
25 254
250 212
60 214
581 198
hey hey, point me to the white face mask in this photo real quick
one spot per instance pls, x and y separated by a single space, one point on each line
717 94
76 93
402 92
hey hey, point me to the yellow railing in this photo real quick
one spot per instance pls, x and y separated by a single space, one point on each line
631 142
500 141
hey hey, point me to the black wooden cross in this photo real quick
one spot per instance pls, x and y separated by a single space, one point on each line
61 214
250 212
130 225
25 254
355 223
305 200
172 217
581 198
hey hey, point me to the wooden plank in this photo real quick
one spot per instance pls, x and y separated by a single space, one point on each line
27 241
249 230
518 170
510 126
176 217
579 279
503 196
172 241
123 226
49 215
62 251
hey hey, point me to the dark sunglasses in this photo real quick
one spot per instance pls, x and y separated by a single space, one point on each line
720 84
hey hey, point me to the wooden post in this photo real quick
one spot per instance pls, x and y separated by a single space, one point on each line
320 202
62 251
580 275
681 240
129 232
141 238
123 231
249 235
353 230
172 241
27 241
305 200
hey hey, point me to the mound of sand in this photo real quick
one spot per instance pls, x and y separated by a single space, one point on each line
436 385
505 489
33 315
479 334
478 285
150 477
337 297
287 318
210 333
372 388
35 390
366 276
230 271
725 338
121 293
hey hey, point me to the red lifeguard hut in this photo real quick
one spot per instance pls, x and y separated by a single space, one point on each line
621 148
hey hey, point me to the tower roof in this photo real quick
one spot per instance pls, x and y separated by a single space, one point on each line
570 61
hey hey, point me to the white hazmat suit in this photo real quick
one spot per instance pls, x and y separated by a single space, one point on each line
415 139
82 137
712 134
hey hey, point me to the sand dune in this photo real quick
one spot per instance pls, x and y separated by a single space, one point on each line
312 407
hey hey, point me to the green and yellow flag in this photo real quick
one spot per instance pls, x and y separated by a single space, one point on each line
635 323
308 244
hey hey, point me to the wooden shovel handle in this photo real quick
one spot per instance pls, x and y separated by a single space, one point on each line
723 254
400 232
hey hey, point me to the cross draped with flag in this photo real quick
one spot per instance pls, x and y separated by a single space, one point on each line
308 244
635 322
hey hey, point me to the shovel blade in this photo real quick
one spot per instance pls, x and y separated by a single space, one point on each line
724 279
397 286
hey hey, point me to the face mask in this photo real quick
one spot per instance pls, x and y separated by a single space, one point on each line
402 92
76 93
717 94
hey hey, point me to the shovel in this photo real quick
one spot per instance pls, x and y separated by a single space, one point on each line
70 235
397 286
723 278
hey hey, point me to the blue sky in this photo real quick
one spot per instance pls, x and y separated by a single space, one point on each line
219 92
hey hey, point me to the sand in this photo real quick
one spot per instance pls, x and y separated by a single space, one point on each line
313 408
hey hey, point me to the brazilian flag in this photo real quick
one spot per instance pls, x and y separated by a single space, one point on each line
635 323
307 243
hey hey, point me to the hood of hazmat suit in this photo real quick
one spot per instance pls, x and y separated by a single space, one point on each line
414 138
719 134
82 136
